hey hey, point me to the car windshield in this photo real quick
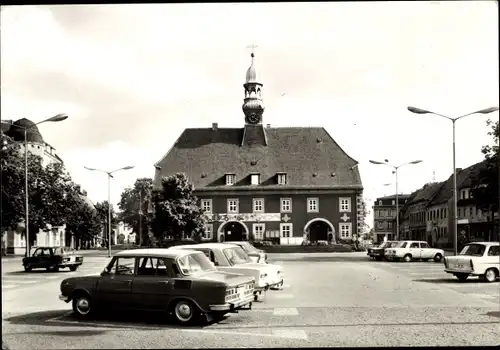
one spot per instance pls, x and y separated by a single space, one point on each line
236 256
473 249
194 263
248 247
400 244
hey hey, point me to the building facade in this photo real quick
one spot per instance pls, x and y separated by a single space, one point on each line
287 185
384 216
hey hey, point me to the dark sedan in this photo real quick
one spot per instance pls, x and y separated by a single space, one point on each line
52 259
182 283
377 252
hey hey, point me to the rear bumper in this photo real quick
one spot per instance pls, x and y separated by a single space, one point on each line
70 263
233 305
467 272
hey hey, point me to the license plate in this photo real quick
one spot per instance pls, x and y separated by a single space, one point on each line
460 266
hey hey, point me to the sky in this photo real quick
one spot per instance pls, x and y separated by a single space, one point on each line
133 77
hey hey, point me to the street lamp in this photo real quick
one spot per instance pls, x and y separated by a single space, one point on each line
57 118
396 167
109 173
453 120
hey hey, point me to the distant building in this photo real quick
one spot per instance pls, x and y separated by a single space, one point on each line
282 184
384 216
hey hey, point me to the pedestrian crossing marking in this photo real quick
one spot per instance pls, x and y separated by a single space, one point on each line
8 286
290 333
291 311
283 296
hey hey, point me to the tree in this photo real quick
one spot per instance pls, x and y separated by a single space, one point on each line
46 188
82 220
102 215
485 179
134 205
485 186
176 210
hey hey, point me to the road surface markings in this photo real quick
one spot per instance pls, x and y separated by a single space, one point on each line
7 286
283 296
19 281
290 333
290 311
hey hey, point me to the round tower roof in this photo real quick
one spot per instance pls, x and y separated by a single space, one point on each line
251 73
16 131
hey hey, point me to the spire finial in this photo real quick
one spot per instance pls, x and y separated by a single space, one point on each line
252 47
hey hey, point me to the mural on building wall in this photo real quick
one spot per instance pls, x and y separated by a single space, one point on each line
253 217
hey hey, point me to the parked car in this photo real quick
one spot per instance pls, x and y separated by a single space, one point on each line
231 258
53 259
182 283
257 255
413 250
377 252
476 259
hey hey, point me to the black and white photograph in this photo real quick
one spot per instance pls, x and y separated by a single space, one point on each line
250 175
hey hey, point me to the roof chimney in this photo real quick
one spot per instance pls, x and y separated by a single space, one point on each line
215 126
268 125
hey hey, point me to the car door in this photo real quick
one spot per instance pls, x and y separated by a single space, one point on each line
42 257
414 250
115 287
425 251
492 256
153 284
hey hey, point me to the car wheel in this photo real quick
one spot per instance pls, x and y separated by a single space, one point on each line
27 268
438 257
82 305
73 268
462 276
378 258
407 258
53 268
184 312
490 275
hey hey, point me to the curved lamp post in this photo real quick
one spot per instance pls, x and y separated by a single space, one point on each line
396 167
109 173
56 118
453 120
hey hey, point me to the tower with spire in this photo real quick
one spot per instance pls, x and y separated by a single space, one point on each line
253 106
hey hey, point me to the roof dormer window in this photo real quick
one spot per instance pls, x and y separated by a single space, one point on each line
230 179
255 179
281 178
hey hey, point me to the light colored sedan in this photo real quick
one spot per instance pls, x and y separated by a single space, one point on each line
232 258
476 259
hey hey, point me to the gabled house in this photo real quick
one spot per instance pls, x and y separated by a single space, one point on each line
282 184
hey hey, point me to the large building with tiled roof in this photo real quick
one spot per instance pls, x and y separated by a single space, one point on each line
286 184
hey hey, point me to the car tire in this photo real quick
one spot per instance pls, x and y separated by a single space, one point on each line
378 258
27 268
462 277
82 305
490 275
438 257
407 258
53 268
184 312
73 268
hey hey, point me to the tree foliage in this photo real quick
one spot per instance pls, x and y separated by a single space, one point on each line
81 217
176 210
134 206
485 187
51 193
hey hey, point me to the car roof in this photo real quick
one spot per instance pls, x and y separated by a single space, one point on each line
205 245
160 252
485 243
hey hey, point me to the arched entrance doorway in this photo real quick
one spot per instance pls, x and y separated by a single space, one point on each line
319 230
233 231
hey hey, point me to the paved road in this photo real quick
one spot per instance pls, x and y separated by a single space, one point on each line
332 301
